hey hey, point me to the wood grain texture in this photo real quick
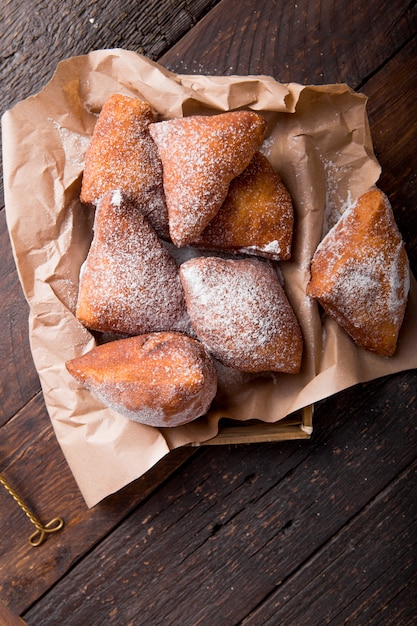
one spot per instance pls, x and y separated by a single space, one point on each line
9 619
296 41
32 29
255 514
393 135
33 464
236 528
377 543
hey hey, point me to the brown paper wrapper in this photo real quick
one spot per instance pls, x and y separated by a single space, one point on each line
318 139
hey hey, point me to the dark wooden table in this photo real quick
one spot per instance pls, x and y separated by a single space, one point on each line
290 533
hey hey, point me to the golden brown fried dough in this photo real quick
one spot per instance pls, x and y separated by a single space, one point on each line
240 312
200 156
122 155
159 379
360 274
129 283
257 216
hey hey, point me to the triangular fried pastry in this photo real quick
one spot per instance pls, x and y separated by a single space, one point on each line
122 155
240 312
159 379
200 155
360 274
129 282
257 216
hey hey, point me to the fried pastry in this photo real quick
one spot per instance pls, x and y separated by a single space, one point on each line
239 311
257 216
129 282
360 274
159 379
200 155
122 155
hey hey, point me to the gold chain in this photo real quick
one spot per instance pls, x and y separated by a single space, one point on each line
39 536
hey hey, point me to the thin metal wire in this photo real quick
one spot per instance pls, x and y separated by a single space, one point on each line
39 536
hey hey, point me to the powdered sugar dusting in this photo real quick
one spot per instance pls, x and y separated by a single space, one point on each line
240 312
200 156
74 144
129 282
268 146
257 216
335 205
122 155
272 249
159 379
116 198
360 273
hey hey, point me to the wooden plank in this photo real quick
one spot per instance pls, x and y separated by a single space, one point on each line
299 41
299 425
255 434
359 574
9 619
220 535
392 139
29 30
33 464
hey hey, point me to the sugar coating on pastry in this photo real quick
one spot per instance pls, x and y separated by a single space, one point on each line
200 155
240 312
159 379
257 216
129 283
360 274
122 155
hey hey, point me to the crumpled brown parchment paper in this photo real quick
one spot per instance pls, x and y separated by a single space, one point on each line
318 139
